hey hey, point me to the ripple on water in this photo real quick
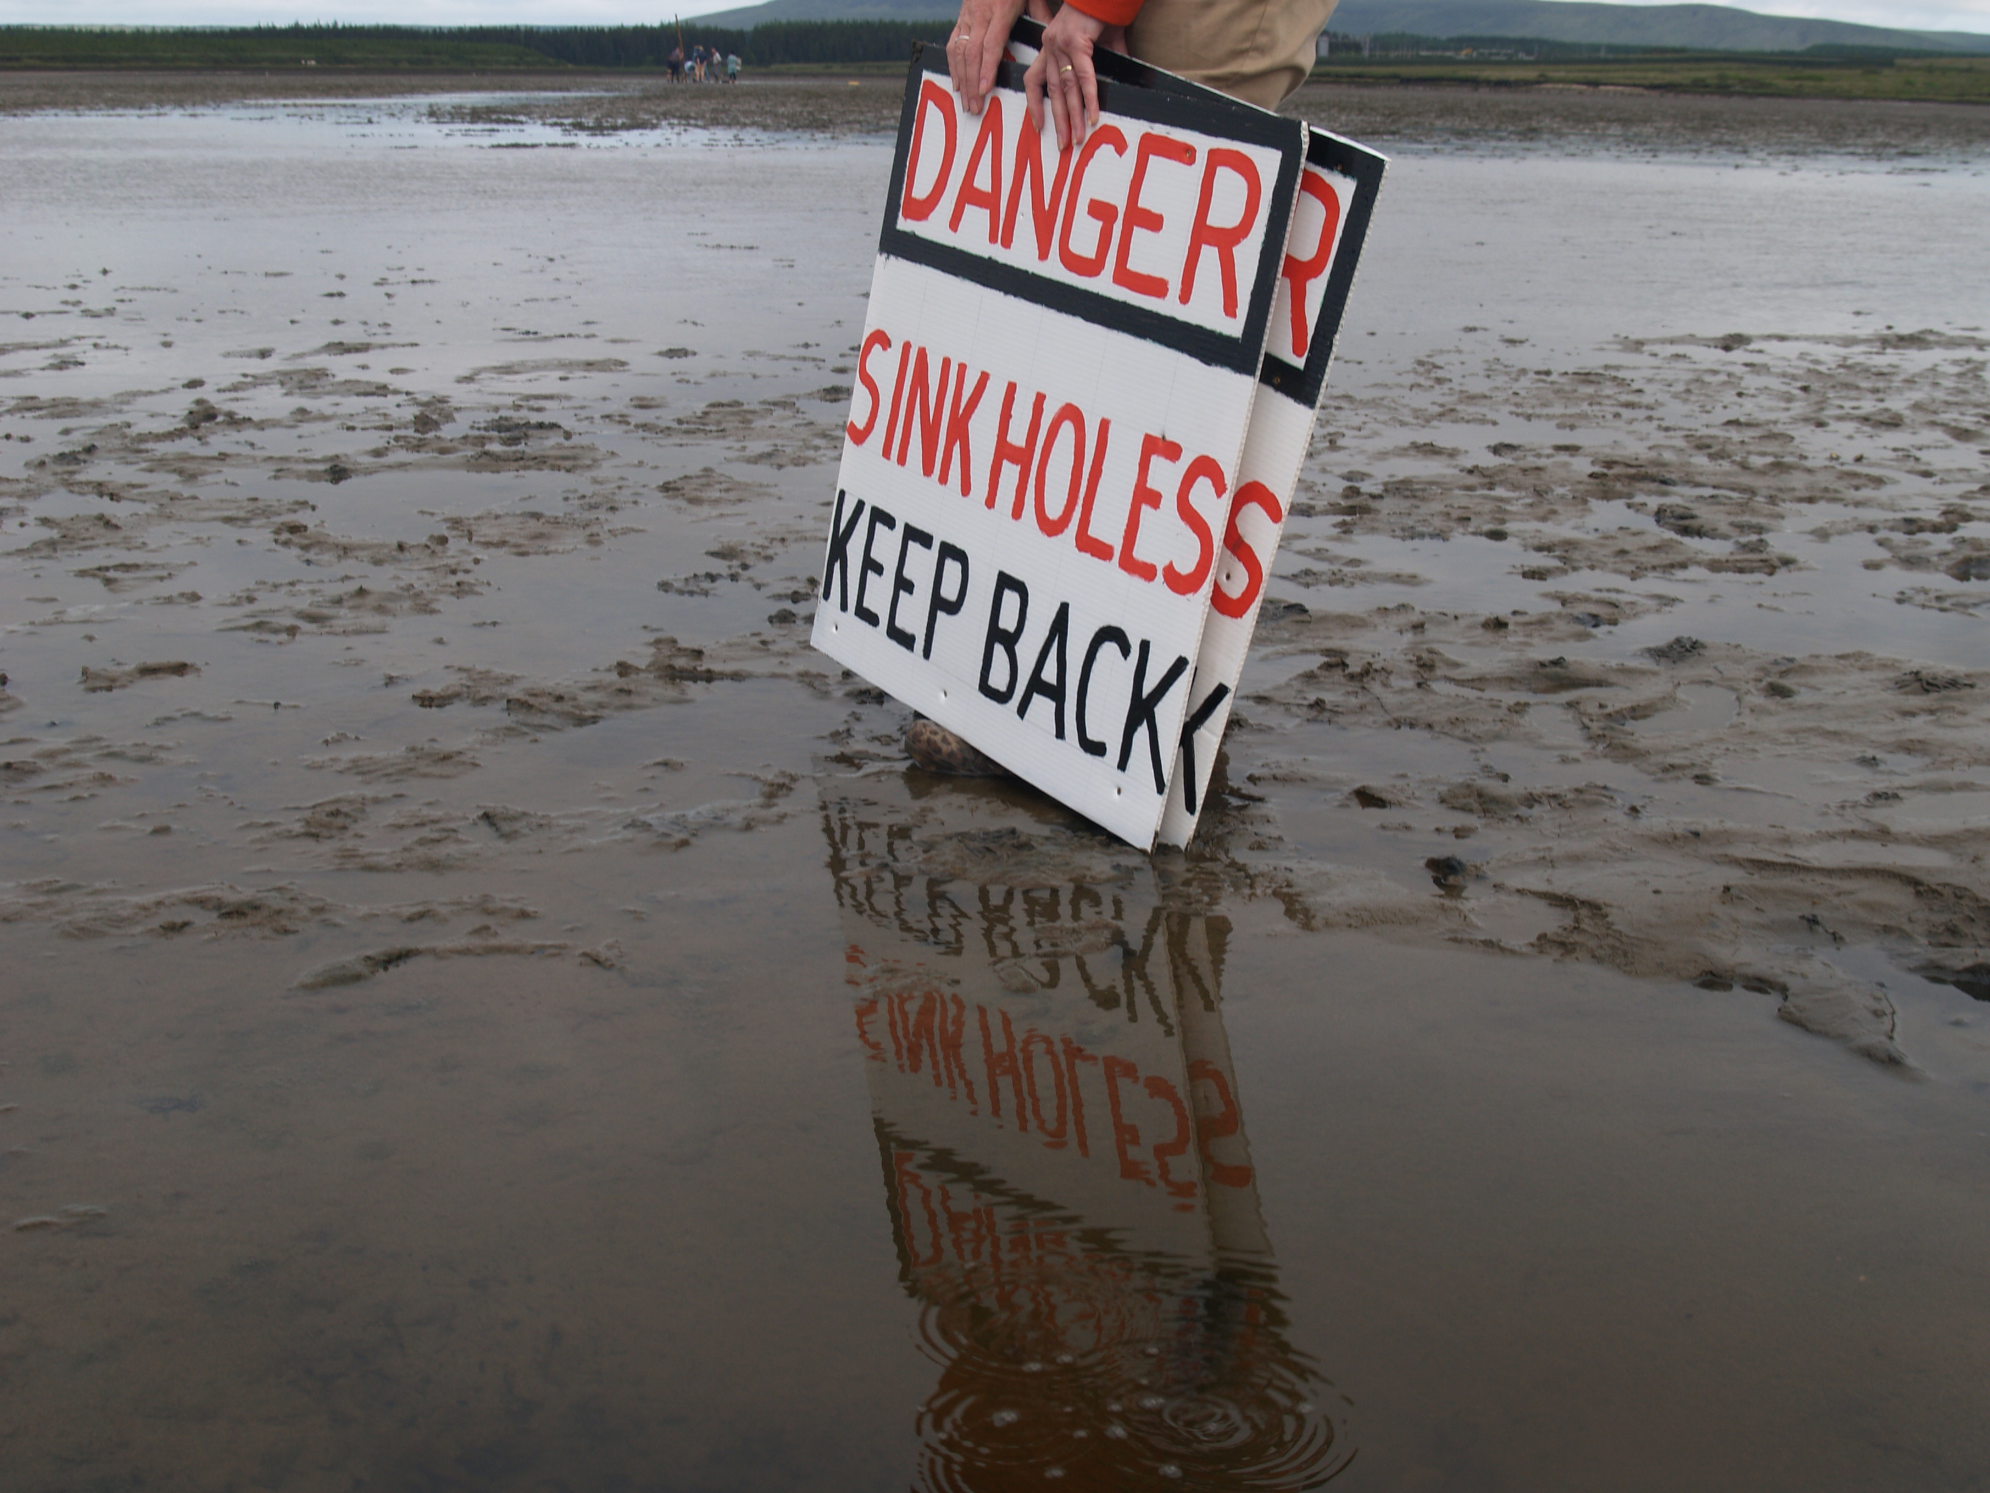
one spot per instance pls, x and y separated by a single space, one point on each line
1111 1372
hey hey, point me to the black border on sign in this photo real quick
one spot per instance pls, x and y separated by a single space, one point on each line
1364 168
1120 68
1360 165
1240 352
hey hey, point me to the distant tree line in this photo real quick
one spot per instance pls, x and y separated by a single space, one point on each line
1396 46
768 45
1399 44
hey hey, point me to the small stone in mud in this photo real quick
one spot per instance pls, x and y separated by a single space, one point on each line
1683 521
359 967
1677 651
1972 980
1923 681
1448 872
173 1104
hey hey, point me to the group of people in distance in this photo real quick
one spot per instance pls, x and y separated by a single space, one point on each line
704 65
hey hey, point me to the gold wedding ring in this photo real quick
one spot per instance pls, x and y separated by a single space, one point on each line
1065 69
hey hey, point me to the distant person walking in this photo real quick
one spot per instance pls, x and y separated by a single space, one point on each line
732 67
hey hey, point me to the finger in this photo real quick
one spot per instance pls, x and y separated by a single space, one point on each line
1053 96
991 45
1070 107
1088 91
964 68
1033 91
956 72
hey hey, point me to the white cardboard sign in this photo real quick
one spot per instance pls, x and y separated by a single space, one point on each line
1046 437
1337 194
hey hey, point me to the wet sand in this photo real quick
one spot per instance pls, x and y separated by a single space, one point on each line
458 923
1623 121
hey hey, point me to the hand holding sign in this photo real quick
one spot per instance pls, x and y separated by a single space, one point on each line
1044 492
980 38
1063 76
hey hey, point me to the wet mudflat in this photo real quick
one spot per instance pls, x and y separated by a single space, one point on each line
487 1008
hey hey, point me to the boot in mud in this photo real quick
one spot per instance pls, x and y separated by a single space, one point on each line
937 749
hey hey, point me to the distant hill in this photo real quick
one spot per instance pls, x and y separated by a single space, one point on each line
1712 27
1696 27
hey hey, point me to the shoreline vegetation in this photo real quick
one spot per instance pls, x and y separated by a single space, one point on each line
881 46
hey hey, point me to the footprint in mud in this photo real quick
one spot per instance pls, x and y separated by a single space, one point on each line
100 681
74 1216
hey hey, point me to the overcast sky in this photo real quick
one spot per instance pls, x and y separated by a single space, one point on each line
1932 15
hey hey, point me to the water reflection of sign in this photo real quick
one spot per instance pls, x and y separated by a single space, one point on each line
1011 1081
1052 390
1065 1167
1065 1357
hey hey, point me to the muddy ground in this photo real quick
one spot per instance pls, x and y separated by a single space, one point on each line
410 519
1705 805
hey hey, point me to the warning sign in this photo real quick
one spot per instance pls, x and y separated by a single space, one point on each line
1039 484
1336 197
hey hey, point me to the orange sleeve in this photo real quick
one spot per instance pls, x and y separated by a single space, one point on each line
1112 12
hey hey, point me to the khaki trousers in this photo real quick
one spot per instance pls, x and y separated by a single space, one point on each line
1255 50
